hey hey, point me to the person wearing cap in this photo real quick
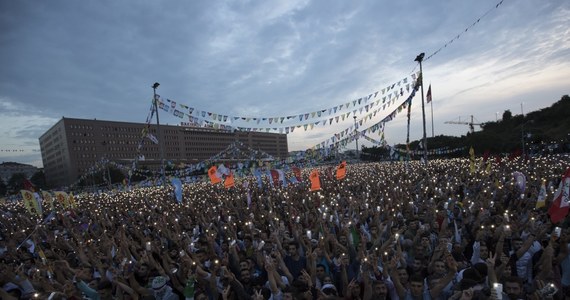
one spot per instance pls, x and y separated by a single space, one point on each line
329 290
161 290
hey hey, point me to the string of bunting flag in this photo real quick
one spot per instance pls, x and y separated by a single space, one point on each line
464 31
381 99
145 133
343 138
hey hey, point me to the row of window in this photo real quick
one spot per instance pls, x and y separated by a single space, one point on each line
121 136
84 141
82 133
79 148
82 127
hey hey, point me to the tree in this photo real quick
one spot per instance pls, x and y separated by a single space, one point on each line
141 174
16 182
3 188
39 179
507 116
116 175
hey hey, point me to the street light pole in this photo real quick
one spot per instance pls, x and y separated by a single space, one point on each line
419 59
160 141
522 131
356 133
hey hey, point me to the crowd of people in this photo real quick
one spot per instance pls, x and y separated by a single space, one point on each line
390 230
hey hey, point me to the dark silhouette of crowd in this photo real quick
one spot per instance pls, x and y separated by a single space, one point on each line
391 230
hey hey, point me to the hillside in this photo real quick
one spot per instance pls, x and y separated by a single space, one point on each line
545 130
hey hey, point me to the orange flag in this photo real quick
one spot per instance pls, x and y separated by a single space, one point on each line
341 170
315 182
213 177
229 182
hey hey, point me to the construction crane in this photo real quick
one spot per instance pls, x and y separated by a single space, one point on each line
461 122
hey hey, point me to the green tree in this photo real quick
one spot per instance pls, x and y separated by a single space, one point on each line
141 174
507 116
39 179
16 182
116 175
3 188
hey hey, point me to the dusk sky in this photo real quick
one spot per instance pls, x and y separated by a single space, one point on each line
98 59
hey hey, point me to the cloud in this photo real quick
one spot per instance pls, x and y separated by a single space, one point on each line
251 58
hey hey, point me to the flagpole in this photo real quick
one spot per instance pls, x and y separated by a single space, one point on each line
419 59
160 141
431 102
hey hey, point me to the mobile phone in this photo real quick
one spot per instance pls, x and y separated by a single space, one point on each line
148 246
261 244
498 287
557 232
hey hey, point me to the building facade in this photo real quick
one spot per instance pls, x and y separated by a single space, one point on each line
7 169
72 146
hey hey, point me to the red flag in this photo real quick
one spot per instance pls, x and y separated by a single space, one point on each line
559 208
486 155
428 96
28 185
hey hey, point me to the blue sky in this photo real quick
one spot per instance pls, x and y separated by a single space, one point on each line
98 59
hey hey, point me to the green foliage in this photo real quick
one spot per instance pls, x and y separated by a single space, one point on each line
538 129
39 179
3 188
16 182
140 174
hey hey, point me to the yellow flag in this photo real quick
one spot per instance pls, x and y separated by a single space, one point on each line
471 161
489 166
62 198
71 200
541 200
28 200
48 199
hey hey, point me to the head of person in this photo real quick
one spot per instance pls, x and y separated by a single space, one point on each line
517 243
379 290
439 267
403 275
513 287
293 249
321 272
417 265
245 276
484 251
416 285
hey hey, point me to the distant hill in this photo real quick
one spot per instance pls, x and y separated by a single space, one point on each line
546 130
